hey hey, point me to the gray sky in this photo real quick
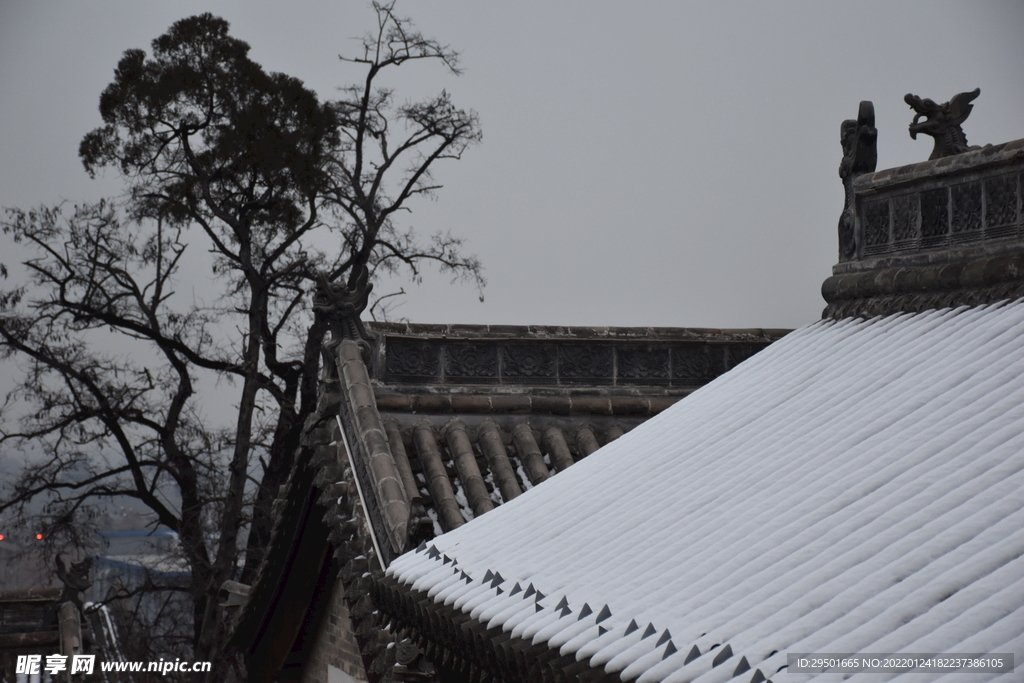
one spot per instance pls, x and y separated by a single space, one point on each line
643 163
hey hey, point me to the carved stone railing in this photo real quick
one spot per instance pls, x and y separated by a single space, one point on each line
946 209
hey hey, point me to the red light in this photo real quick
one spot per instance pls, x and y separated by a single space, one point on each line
39 537
2 537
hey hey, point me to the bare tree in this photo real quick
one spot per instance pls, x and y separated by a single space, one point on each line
246 174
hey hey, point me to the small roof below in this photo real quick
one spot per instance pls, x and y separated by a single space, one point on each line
855 487
475 415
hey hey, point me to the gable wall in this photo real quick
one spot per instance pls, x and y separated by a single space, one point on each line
335 643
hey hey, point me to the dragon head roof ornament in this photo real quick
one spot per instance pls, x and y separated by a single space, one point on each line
942 122
340 306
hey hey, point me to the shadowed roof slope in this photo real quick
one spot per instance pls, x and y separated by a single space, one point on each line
856 487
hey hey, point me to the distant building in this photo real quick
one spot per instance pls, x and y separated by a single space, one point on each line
43 622
39 617
141 577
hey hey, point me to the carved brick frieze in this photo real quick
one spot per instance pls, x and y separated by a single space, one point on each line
741 352
909 214
544 362
472 363
905 218
935 213
648 365
697 364
533 364
412 361
876 223
585 363
1001 200
966 208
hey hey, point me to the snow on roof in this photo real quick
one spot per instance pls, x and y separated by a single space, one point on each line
856 487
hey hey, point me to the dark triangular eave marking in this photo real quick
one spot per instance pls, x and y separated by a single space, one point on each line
722 656
562 603
465 575
433 553
632 627
500 591
539 596
692 655
538 607
529 591
601 630
516 589
498 578
585 611
446 560
649 632
604 614
665 637
565 611
742 667
670 650
758 677
421 547
488 576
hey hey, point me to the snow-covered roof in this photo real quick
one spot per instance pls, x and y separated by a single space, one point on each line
856 487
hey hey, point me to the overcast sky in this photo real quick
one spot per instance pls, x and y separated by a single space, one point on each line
643 163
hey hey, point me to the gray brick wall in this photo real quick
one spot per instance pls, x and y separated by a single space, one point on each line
335 643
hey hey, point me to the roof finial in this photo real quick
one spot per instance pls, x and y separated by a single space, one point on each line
943 121
860 155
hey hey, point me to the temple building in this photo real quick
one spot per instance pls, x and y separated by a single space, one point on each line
425 428
851 487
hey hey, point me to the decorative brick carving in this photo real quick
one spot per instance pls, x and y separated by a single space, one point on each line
876 222
968 201
739 353
934 213
1001 201
585 363
697 364
529 363
966 208
643 365
905 217
413 360
474 363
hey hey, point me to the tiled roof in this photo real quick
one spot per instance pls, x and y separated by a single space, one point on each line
442 423
460 419
463 471
854 488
